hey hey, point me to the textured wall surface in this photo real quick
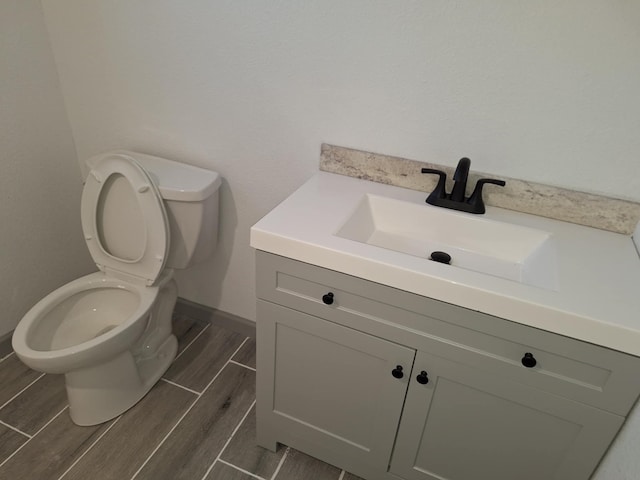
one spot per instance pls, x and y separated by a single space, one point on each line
41 244
542 91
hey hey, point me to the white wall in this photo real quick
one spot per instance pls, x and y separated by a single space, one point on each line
41 243
545 91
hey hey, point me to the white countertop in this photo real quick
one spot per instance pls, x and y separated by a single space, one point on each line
596 297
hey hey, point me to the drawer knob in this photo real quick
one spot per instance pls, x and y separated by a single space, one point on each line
397 372
528 360
327 298
423 378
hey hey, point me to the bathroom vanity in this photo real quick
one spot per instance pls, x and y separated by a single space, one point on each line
390 365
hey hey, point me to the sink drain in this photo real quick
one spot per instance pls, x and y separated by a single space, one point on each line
440 257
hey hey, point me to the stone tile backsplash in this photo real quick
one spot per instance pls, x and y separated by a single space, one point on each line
587 209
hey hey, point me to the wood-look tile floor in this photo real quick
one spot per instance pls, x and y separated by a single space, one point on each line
197 423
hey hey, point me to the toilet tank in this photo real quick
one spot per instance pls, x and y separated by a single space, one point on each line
191 199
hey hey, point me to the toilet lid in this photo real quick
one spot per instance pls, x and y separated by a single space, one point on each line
123 219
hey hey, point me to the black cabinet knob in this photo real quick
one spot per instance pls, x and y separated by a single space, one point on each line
528 360
327 298
423 378
397 372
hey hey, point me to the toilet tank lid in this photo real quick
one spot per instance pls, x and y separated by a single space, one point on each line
176 181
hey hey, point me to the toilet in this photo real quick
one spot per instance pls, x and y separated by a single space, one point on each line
110 332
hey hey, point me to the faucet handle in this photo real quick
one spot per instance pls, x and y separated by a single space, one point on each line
475 200
440 190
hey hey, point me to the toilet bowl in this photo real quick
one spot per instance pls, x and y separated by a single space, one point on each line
109 332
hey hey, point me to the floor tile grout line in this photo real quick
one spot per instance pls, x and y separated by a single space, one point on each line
7 356
242 365
20 392
90 447
235 430
34 436
223 367
15 429
195 400
247 472
187 411
191 342
284 456
226 444
180 386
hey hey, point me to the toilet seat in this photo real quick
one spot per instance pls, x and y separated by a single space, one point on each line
124 220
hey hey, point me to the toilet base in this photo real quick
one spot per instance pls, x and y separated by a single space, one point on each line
102 392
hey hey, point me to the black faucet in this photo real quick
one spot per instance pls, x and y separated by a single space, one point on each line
456 199
460 180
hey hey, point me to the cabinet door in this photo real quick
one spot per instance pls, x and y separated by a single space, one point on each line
467 424
328 390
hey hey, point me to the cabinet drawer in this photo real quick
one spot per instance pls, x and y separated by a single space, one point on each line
570 368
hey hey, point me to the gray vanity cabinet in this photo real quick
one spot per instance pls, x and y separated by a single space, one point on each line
391 385
466 423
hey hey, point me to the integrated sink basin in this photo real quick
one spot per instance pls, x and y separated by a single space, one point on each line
576 281
475 243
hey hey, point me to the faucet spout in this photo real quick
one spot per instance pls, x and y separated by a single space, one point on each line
460 180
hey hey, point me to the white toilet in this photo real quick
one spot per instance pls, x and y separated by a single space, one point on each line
110 332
